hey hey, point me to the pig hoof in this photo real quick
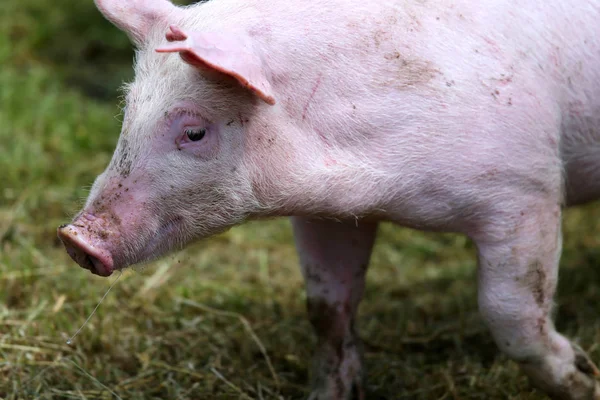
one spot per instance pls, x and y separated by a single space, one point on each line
335 390
579 382
583 362
337 373
576 385
588 372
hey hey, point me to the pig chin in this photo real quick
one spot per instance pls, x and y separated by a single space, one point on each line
167 237
97 244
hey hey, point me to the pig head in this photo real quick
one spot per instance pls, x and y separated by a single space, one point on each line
179 171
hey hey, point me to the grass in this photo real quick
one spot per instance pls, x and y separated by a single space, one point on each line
224 319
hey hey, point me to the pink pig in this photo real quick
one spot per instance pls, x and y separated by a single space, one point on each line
477 117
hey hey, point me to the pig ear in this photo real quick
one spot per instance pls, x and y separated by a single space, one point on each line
225 54
135 17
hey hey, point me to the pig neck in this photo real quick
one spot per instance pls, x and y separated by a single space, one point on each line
296 171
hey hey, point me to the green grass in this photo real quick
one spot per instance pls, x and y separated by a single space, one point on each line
191 326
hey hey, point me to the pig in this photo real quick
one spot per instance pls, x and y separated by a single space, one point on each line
480 118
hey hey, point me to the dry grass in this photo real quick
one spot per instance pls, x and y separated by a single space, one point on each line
225 319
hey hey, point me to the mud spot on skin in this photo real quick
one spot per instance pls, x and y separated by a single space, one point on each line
391 56
261 31
407 72
333 377
115 219
541 326
325 319
381 36
535 279
122 161
313 274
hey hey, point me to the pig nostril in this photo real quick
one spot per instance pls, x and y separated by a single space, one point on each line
80 256
97 261
89 263
72 252
92 262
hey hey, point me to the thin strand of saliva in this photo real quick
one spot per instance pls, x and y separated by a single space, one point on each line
94 311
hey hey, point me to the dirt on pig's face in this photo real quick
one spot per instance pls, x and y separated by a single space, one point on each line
177 174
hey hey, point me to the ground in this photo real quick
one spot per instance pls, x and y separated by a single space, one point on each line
224 319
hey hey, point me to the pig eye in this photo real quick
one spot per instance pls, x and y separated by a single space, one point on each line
195 134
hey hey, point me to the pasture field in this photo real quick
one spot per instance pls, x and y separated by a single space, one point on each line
224 319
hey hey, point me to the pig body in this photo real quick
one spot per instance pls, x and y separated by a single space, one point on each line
475 117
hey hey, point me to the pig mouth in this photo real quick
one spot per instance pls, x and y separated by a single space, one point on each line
165 236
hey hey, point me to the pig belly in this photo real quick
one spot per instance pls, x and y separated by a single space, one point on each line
582 168
580 144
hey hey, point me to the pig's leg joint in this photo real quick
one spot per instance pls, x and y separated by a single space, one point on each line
334 258
518 273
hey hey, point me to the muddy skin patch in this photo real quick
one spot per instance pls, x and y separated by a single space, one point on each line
313 274
536 280
542 327
123 162
327 380
337 339
324 317
325 371
105 218
411 72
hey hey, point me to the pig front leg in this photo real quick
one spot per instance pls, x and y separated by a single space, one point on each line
334 258
518 271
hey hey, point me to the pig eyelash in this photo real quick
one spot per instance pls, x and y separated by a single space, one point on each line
181 112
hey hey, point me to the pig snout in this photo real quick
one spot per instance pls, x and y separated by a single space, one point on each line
85 250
